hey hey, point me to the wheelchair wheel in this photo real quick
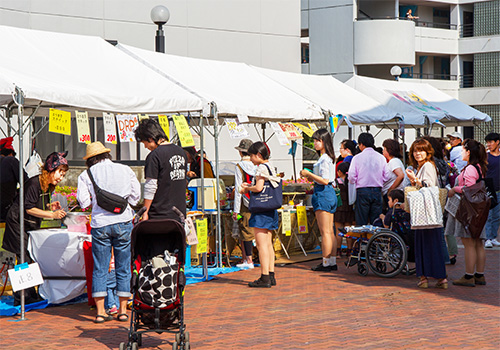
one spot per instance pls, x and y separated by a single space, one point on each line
362 269
386 254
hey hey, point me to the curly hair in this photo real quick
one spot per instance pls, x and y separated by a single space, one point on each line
45 178
421 145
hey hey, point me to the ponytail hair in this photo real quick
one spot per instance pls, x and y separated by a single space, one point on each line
261 148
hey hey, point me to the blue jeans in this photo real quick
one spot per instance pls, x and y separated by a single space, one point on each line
111 297
103 238
368 205
493 221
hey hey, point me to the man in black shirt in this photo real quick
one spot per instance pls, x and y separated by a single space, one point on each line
165 173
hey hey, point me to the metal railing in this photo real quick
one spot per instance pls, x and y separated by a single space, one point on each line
429 76
418 22
467 81
467 30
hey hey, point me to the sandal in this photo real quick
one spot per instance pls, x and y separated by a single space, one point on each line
102 318
442 284
122 317
423 283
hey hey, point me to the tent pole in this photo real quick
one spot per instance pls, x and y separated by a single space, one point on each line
19 100
202 194
218 227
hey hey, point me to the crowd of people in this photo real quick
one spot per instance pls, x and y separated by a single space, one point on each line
364 185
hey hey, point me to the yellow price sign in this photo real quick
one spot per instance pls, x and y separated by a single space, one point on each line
302 219
312 126
183 131
60 122
163 120
202 234
143 116
286 223
309 132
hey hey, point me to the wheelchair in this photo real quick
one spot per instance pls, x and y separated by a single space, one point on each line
379 250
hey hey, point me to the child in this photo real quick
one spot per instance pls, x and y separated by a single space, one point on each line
398 220
111 300
263 223
344 216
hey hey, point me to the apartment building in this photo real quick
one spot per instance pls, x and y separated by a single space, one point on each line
453 45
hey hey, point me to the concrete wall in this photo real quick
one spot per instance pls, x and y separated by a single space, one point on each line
435 40
260 32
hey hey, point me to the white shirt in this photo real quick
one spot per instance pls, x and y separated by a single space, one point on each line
112 177
456 157
325 168
393 164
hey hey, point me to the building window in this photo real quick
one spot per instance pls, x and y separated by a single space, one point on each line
481 131
486 69
304 52
487 18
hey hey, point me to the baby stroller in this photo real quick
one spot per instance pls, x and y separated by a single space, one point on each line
158 281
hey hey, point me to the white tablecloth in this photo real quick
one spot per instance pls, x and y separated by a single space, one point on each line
59 254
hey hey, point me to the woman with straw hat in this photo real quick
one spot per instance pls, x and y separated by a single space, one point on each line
109 230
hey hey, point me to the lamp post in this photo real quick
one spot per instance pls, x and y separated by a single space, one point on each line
396 71
160 15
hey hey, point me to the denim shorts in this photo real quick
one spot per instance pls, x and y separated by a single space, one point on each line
267 220
324 198
103 238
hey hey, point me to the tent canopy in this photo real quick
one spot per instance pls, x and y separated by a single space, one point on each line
83 72
416 102
236 88
333 95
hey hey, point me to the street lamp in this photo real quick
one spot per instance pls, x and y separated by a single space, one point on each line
396 71
160 15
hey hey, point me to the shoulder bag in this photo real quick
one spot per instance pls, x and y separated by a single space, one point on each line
108 201
270 198
489 187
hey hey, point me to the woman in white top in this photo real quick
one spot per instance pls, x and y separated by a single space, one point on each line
393 154
324 199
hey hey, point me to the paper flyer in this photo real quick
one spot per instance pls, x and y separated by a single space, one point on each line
286 223
236 130
183 131
109 128
126 125
202 234
59 122
302 219
290 131
308 131
279 134
164 123
82 127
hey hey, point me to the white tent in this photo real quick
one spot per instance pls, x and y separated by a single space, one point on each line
333 95
415 100
84 72
236 88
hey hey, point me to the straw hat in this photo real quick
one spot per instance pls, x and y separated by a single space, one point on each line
94 149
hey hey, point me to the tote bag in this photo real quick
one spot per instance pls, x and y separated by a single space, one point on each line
270 198
425 208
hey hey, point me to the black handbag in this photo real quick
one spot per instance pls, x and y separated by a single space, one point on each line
270 198
108 201
490 188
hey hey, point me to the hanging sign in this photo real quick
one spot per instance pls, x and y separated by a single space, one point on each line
183 131
290 131
59 122
334 122
109 128
279 134
339 123
25 276
243 118
82 127
312 126
302 218
192 239
163 120
236 130
143 116
286 223
309 132
126 126
202 234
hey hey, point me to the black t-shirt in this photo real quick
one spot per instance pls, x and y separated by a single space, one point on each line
167 164
9 177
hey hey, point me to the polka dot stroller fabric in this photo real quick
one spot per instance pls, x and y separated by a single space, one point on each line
157 286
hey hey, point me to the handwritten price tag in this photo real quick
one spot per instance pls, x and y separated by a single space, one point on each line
163 120
286 222
25 276
290 131
302 219
109 128
202 233
59 122
183 131
82 127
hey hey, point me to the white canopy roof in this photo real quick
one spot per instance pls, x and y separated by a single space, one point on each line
83 72
333 95
236 88
414 101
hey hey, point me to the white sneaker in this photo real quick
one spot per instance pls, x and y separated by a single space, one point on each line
488 244
495 242
245 265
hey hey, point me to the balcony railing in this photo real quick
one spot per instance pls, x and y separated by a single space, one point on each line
418 23
429 76
467 30
467 81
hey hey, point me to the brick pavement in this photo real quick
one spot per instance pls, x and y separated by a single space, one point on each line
307 310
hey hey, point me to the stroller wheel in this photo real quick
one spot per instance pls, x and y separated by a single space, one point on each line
123 346
187 346
135 346
186 337
178 338
174 346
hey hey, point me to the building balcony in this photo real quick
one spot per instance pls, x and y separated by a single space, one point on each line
436 40
476 96
385 41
